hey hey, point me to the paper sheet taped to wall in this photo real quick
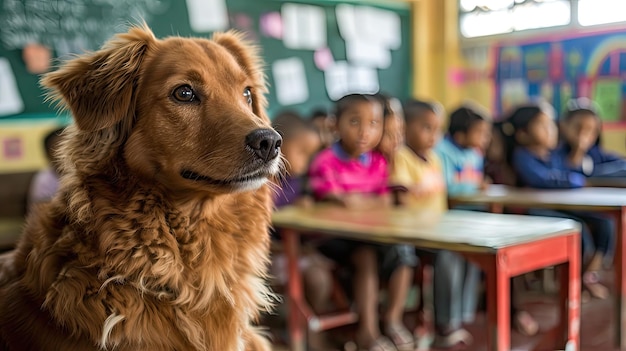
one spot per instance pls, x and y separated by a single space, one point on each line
207 15
342 79
290 81
370 24
304 26
10 100
370 54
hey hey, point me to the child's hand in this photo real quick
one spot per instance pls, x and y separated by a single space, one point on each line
485 184
575 157
304 202
353 201
358 201
419 190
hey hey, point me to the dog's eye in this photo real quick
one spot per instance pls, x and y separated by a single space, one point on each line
184 93
247 93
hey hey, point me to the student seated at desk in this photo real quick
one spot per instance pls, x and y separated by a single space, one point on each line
497 168
460 150
531 141
46 182
416 166
580 128
455 279
300 142
352 174
321 121
393 128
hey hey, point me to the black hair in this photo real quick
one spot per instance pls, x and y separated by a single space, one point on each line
518 120
345 102
580 107
289 124
385 100
463 119
319 112
414 109
51 140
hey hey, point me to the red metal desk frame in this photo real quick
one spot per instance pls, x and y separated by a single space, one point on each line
500 266
611 201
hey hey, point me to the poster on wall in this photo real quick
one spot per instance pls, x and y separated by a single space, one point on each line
592 66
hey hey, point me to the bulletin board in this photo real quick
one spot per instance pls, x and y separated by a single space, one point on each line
315 51
558 69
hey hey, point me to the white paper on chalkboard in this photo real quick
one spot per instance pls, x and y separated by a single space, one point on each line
379 26
10 99
342 78
304 26
363 80
367 53
369 24
336 79
207 15
346 21
290 81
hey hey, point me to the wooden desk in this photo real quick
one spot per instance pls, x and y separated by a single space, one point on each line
502 245
608 200
607 182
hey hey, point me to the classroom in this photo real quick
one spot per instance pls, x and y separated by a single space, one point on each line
431 174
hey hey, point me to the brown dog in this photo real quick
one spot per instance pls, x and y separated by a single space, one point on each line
158 237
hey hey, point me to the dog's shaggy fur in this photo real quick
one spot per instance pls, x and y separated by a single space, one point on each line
157 239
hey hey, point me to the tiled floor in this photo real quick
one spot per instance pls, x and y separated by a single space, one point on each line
596 324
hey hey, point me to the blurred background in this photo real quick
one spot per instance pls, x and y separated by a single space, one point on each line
495 52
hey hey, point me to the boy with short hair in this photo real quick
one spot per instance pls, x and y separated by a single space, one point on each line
455 279
417 168
469 132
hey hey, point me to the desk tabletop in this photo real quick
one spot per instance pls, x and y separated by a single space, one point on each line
609 182
458 230
595 199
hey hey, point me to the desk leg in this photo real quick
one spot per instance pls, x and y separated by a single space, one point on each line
496 208
568 330
291 241
499 305
620 282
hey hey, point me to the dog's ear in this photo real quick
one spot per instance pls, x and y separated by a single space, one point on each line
249 59
99 87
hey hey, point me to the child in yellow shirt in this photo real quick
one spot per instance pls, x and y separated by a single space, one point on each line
418 171
416 167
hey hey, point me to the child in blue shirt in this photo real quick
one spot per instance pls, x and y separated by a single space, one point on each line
580 130
532 139
462 161
455 279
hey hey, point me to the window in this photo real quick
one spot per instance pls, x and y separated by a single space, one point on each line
594 12
488 17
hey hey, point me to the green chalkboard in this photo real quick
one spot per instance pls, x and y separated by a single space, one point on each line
73 26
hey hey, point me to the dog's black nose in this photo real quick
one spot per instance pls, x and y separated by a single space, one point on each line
265 143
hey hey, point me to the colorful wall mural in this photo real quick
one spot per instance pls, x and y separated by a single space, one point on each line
592 66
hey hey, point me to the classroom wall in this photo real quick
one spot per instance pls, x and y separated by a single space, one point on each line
444 70
245 15
450 70
21 144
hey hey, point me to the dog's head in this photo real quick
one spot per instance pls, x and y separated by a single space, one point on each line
187 112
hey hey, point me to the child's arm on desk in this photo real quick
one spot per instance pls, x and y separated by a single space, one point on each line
358 201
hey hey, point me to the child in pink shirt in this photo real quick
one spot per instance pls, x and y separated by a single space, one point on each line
351 174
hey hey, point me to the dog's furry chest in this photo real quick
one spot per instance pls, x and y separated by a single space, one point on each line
167 273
